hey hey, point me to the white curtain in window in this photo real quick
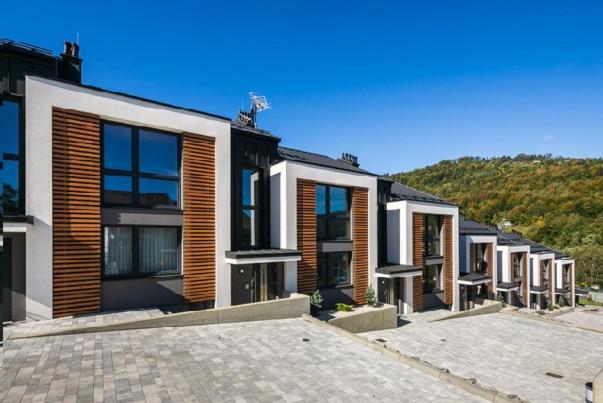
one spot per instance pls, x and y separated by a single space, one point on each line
118 251
158 250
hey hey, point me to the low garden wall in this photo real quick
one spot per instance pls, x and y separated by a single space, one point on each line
363 319
488 306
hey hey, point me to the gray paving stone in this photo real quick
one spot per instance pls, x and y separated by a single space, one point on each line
510 353
250 362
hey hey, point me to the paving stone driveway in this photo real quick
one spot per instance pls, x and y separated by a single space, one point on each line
507 352
587 318
254 362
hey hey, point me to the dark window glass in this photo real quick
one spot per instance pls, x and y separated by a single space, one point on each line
249 226
321 200
141 167
251 187
117 147
334 269
479 250
118 251
432 278
9 127
517 266
158 250
117 189
432 226
11 194
158 153
141 251
155 192
332 213
11 191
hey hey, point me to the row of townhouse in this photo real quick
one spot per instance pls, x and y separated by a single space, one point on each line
521 272
113 202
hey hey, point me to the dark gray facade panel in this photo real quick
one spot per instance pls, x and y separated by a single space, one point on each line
125 216
14 277
122 294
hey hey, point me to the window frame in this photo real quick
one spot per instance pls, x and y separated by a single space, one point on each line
19 157
257 208
427 239
477 249
324 258
328 215
135 174
439 288
136 273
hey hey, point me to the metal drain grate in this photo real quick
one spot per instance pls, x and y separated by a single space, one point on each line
381 340
554 375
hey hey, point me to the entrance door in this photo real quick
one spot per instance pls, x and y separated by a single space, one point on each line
383 287
242 284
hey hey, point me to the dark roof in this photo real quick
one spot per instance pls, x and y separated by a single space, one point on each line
564 290
26 48
398 269
539 288
473 277
507 286
509 238
306 157
123 94
578 291
468 227
253 130
535 247
403 192
261 253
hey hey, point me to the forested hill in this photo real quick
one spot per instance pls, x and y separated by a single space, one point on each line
554 201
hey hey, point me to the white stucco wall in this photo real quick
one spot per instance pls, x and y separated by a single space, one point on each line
41 96
406 209
287 173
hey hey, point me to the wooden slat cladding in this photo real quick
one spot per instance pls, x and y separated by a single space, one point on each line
525 280
490 269
417 260
307 268
199 218
551 269
76 215
448 267
360 243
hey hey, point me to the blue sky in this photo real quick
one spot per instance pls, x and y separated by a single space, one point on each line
400 84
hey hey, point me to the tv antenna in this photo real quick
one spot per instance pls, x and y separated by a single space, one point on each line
259 103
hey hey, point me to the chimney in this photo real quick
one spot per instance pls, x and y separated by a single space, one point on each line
350 159
70 65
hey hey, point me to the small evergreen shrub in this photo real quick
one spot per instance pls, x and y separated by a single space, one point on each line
316 300
371 297
341 307
501 299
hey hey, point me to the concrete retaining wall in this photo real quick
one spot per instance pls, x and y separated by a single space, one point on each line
366 319
489 306
293 307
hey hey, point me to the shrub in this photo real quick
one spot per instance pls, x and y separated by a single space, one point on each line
561 302
341 307
371 297
316 299
501 299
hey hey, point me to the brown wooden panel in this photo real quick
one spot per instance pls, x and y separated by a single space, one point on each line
417 260
76 212
448 256
360 243
525 280
550 268
490 269
307 267
199 218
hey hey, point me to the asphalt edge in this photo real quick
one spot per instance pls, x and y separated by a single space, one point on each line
467 385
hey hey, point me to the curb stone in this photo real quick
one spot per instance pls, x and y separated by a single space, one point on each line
468 385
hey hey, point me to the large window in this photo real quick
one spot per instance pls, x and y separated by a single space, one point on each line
141 167
11 155
250 212
517 266
432 225
432 278
478 251
141 251
332 213
334 269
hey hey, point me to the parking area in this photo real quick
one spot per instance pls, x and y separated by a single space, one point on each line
285 360
591 319
506 352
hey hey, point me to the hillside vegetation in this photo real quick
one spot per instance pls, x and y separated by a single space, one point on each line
555 201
